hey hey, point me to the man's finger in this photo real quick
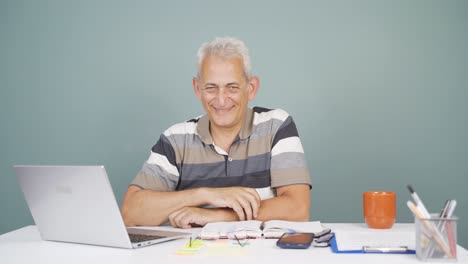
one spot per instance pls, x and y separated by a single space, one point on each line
254 193
239 211
182 221
253 203
171 218
187 220
246 207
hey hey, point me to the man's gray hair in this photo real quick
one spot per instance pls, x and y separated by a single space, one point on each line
226 48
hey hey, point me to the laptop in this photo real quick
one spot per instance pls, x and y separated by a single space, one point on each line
76 204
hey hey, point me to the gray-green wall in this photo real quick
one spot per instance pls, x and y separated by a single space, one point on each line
378 90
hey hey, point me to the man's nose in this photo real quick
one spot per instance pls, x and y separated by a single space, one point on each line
222 95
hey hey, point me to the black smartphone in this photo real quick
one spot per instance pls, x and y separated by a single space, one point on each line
295 240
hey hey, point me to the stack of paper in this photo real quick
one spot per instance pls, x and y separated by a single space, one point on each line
356 240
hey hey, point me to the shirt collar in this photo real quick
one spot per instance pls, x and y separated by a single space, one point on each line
247 127
203 127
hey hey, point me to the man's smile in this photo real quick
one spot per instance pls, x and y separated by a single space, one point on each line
222 109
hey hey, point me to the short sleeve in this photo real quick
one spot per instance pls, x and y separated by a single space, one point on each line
288 163
159 172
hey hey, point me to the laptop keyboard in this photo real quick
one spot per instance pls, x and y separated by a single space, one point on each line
135 238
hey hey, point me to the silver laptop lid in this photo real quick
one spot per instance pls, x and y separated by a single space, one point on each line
73 204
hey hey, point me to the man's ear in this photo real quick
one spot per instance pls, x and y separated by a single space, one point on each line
196 88
254 85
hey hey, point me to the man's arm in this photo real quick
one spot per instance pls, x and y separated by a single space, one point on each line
292 203
148 207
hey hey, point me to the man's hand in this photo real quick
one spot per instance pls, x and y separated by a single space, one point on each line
188 217
244 201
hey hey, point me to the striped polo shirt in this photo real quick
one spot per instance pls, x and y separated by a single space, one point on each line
266 154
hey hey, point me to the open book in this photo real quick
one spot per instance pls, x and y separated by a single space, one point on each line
257 229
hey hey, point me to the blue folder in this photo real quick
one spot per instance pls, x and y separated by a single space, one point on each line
334 248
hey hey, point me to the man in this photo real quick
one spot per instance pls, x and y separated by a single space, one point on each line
233 163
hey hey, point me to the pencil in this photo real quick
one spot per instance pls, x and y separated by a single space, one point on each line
436 235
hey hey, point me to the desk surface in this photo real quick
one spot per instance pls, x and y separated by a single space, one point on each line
25 246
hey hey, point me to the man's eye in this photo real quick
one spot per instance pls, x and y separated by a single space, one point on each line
233 88
210 89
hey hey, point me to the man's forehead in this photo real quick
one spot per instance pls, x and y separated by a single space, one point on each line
213 80
222 71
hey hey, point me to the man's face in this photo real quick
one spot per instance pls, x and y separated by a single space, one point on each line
224 91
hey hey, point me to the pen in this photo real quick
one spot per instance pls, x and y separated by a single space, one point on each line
431 228
440 225
418 201
444 211
384 249
451 208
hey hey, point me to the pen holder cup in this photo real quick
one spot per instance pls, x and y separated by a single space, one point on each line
436 238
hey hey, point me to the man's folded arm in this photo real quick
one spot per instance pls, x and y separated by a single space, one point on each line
149 207
292 204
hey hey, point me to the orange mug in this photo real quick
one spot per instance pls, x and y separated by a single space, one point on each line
379 209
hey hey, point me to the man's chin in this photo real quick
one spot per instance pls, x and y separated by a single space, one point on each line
224 123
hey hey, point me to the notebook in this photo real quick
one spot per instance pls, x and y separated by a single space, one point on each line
257 229
76 204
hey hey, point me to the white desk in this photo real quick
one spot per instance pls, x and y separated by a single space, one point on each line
25 246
